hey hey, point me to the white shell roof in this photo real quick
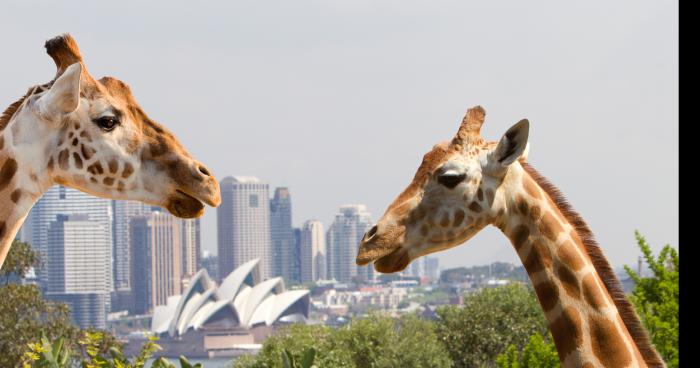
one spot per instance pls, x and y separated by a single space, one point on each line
234 302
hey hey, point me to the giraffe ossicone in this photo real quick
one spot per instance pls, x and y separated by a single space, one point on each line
467 183
91 135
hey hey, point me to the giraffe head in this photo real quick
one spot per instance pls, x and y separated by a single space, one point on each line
456 192
96 138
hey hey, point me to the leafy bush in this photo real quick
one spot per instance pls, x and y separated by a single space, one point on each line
490 320
656 299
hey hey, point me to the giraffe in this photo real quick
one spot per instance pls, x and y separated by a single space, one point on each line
93 136
467 183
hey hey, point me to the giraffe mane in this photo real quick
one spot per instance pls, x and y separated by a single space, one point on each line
12 109
602 267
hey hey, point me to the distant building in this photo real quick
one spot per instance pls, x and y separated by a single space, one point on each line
243 224
157 259
313 251
78 268
343 239
432 268
123 212
191 247
282 236
60 200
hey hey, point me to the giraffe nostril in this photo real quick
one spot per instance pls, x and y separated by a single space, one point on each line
371 233
204 170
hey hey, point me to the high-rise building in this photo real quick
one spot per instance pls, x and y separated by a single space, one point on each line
156 267
123 212
78 268
243 224
343 239
432 268
191 247
313 251
282 236
60 200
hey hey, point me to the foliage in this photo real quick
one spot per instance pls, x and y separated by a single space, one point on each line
19 261
25 315
538 353
375 341
490 321
98 352
307 359
656 299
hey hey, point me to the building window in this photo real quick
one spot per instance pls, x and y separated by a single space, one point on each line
253 200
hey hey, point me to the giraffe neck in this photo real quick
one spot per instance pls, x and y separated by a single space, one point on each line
582 316
23 173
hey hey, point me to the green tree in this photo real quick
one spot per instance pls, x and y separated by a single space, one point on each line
538 353
24 313
490 321
19 261
656 298
375 341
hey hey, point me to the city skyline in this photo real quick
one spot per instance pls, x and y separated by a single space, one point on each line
340 102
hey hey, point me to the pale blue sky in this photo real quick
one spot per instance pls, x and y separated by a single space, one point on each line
339 100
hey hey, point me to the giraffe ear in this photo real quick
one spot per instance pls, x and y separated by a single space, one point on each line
513 144
64 95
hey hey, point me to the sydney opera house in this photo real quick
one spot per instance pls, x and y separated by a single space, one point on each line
211 320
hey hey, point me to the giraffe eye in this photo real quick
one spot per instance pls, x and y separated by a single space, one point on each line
107 123
451 180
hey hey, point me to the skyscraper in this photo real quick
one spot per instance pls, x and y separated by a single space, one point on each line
191 247
123 212
282 236
78 268
60 200
156 268
243 224
313 251
344 237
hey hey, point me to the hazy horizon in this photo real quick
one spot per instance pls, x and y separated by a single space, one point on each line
338 101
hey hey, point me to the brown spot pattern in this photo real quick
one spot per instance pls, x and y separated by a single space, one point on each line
459 217
63 159
445 221
549 226
475 207
569 281
538 259
567 332
567 253
16 195
2 141
535 212
113 166
607 343
519 236
78 160
49 165
95 169
87 151
547 294
591 291
108 181
480 194
7 172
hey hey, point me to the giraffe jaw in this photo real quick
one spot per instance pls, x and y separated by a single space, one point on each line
184 205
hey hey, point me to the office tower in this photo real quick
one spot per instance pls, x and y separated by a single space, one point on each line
416 268
313 251
191 247
123 212
432 268
282 236
156 267
344 237
296 265
78 268
243 224
59 200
